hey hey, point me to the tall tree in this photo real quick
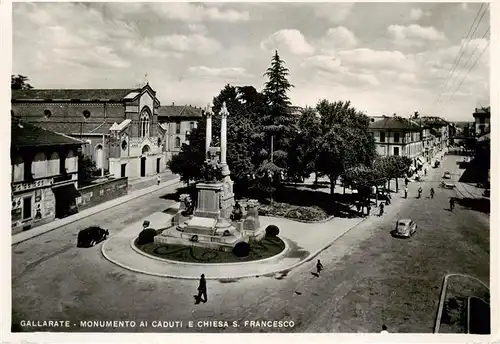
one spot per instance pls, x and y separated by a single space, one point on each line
278 121
19 82
345 140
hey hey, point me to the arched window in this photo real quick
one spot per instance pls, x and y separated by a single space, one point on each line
47 113
177 142
98 156
144 124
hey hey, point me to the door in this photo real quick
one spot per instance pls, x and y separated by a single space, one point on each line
158 165
123 170
143 166
396 150
26 208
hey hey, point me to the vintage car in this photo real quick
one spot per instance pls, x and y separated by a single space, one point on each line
405 228
91 236
446 185
447 175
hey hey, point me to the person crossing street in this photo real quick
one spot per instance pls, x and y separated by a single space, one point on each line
319 267
419 192
452 203
432 192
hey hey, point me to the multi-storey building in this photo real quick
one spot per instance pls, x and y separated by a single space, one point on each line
177 122
482 118
398 136
44 175
121 126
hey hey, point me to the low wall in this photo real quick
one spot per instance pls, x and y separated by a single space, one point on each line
95 194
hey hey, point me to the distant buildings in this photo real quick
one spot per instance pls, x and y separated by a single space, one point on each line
127 131
44 175
482 118
418 138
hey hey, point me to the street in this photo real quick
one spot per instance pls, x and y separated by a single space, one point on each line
370 278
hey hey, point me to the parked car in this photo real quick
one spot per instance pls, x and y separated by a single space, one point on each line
447 175
405 228
91 236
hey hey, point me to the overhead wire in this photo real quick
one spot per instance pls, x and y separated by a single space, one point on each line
462 50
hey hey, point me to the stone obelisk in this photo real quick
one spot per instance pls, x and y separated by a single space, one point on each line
208 132
227 196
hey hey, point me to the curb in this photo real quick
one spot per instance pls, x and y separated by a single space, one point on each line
302 221
282 270
63 223
268 259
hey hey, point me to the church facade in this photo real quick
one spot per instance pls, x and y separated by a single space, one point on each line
120 126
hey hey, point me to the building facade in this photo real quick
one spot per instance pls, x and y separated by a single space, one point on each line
44 175
482 121
120 126
398 136
177 122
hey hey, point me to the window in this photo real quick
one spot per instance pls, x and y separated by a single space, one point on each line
177 142
396 137
178 127
382 136
47 113
396 150
191 126
124 145
482 120
27 208
144 124
86 113
159 142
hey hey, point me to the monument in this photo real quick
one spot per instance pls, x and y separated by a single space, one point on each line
209 224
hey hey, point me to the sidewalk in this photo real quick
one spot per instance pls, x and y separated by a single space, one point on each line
57 223
144 182
305 241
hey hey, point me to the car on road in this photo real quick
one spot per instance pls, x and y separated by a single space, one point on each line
91 236
447 175
405 228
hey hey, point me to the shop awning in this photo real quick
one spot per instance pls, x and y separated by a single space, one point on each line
67 191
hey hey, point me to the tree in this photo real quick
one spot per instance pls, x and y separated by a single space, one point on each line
278 123
394 166
86 168
344 139
19 82
363 179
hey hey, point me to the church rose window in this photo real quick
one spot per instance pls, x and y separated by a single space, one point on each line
47 113
86 113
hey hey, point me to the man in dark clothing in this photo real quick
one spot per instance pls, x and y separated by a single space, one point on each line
452 203
368 209
202 290
381 207
319 267
432 192
419 192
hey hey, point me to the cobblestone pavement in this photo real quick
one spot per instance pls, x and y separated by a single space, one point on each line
370 278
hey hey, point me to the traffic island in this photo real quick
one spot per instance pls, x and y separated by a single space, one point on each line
266 248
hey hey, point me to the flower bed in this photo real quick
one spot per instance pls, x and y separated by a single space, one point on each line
293 212
266 248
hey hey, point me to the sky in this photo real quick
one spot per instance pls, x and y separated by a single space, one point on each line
383 57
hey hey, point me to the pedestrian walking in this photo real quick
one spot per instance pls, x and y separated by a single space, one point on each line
452 203
406 192
202 290
319 267
384 329
425 171
158 179
419 192
406 181
358 207
368 209
432 192
381 209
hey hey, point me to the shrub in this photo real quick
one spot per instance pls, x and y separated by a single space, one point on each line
146 236
241 249
272 231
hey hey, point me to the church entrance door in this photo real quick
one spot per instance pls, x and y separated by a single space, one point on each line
143 166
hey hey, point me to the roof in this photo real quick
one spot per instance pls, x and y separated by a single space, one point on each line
394 123
28 135
121 126
72 94
429 121
485 110
485 137
180 111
